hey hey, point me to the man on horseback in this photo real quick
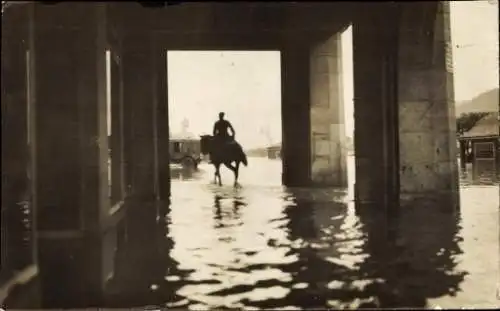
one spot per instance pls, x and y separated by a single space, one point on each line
225 142
221 128
223 148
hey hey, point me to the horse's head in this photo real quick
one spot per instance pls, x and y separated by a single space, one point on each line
205 143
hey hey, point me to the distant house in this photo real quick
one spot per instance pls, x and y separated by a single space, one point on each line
485 128
274 151
482 142
257 152
184 148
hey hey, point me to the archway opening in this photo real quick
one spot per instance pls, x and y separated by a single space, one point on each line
474 41
246 86
348 92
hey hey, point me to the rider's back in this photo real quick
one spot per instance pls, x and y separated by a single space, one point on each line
222 126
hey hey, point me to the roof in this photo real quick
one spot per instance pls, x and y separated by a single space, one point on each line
183 136
486 127
277 146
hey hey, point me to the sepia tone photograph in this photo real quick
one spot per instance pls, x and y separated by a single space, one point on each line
239 155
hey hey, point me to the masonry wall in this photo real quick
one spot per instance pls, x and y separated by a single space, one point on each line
295 115
77 223
375 105
427 131
17 240
328 152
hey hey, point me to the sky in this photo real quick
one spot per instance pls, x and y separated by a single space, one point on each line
246 85
474 28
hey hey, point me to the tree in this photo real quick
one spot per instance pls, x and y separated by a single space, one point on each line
466 121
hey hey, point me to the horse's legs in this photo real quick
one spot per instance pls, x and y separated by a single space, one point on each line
217 173
234 169
229 166
236 172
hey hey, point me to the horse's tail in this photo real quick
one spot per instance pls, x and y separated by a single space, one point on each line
244 158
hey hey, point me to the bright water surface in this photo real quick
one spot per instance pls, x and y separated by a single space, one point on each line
265 246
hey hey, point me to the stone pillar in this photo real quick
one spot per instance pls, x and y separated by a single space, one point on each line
146 139
328 150
375 106
295 115
160 65
16 237
427 137
76 226
427 130
139 115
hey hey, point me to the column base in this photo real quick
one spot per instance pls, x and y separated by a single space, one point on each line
445 201
74 270
329 178
13 291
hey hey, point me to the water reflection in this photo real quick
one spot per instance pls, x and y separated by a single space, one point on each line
481 173
182 173
266 246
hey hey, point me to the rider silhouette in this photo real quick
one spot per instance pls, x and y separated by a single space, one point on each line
221 127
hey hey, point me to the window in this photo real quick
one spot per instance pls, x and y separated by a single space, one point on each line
114 128
177 147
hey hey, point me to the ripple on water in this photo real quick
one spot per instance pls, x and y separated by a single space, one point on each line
266 256
263 246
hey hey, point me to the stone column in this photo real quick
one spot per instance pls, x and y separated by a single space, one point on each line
375 111
427 130
139 115
146 139
16 238
296 153
160 71
76 227
328 150
428 168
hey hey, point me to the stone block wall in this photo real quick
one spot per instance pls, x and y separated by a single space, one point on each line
328 153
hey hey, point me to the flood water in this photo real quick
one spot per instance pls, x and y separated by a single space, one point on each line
263 246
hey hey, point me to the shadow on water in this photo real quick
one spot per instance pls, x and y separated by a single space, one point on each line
143 264
263 247
301 249
418 260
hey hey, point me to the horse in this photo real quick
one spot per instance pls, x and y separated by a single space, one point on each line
223 153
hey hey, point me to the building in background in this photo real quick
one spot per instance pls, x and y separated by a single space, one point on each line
481 146
274 151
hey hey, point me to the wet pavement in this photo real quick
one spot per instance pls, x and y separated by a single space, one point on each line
264 246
